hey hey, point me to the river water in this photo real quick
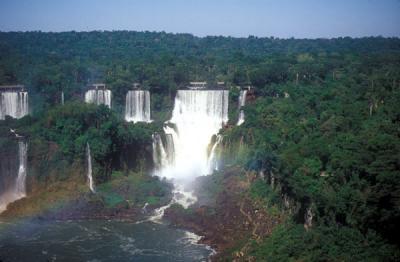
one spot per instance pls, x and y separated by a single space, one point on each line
98 241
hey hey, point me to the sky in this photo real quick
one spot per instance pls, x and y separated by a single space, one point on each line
237 18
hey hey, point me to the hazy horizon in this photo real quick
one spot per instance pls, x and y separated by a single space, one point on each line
308 19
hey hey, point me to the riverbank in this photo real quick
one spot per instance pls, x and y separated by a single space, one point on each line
226 215
124 197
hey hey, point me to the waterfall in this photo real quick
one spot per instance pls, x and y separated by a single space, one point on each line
196 117
159 154
242 102
21 177
18 189
213 160
98 97
62 97
180 196
89 169
14 104
169 148
137 106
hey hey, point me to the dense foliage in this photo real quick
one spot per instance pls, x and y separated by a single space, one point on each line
332 146
59 137
325 122
50 62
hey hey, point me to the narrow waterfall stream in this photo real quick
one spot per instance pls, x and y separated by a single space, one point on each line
242 102
89 169
18 189
213 160
137 106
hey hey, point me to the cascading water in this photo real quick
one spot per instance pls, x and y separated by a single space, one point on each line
98 97
213 160
180 196
170 148
89 169
159 154
198 115
14 104
242 102
18 189
137 106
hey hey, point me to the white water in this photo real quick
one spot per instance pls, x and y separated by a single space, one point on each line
98 97
89 169
197 116
19 189
14 104
62 97
159 154
187 152
137 106
170 148
180 196
242 102
213 159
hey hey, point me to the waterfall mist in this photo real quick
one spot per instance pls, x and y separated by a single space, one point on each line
17 190
14 104
197 116
137 106
187 150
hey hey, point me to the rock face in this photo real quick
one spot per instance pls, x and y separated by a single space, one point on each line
308 218
228 218
9 164
15 184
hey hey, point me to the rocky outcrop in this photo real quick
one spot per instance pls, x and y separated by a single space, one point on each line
232 222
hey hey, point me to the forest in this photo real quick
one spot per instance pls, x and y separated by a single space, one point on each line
323 128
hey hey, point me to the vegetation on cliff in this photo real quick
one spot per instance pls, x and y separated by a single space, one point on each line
331 147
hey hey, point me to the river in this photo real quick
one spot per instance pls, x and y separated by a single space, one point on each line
96 241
